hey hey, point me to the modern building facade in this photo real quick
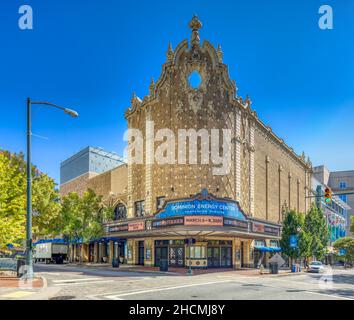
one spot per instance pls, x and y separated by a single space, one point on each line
209 186
342 183
76 171
335 212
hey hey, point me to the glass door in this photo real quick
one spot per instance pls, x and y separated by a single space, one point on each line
213 257
226 257
160 253
141 253
176 256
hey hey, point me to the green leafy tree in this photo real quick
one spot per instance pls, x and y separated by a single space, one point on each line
315 225
293 225
346 247
13 200
352 224
81 218
46 206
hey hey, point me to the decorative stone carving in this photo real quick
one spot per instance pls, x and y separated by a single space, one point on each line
195 25
220 53
170 53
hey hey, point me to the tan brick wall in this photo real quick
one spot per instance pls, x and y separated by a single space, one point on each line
78 185
278 156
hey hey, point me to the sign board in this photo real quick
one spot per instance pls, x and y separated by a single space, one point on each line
167 222
203 205
293 241
277 259
235 223
203 221
257 227
262 228
136 226
121 227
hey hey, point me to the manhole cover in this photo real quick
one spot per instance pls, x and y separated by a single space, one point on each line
62 298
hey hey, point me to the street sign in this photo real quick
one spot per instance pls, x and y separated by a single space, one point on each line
277 259
293 241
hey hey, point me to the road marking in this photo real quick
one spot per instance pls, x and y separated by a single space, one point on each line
50 273
329 295
17 294
82 283
76 280
117 296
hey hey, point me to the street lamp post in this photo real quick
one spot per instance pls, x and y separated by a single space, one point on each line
29 244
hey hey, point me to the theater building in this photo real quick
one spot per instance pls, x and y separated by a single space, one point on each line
210 213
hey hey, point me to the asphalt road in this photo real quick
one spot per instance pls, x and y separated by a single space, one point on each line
67 282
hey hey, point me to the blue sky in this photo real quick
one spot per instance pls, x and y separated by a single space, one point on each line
91 56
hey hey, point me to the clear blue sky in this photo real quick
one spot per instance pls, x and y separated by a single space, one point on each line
91 56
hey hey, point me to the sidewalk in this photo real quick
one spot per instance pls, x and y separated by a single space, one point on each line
12 288
182 271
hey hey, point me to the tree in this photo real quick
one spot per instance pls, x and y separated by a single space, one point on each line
352 224
315 225
46 206
293 226
13 200
80 219
345 249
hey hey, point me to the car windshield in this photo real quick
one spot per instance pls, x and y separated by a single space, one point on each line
316 263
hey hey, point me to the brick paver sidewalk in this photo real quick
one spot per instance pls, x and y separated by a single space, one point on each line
14 282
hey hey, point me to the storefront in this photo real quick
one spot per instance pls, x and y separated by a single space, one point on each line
202 231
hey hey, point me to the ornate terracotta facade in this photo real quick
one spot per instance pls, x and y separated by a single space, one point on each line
265 174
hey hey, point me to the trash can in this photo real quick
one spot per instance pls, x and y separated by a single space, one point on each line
21 267
163 265
273 268
115 263
293 268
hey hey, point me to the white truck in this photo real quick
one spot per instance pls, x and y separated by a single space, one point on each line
51 252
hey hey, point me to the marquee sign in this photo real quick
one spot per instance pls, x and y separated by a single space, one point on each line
117 228
136 226
203 204
203 221
235 223
262 228
167 222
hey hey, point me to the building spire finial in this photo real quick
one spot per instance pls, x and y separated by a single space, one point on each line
219 53
169 53
195 25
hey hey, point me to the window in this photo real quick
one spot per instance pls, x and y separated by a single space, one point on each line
342 184
197 252
160 201
344 197
120 212
274 244
139 208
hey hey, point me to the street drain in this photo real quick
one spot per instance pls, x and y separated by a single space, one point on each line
62 298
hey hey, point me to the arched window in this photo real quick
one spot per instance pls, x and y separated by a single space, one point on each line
120 212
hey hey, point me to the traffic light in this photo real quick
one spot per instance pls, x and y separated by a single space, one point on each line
328 195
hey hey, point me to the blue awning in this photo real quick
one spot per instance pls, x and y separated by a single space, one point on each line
267 249
56 241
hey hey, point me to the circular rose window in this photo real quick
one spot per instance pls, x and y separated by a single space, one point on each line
195 79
